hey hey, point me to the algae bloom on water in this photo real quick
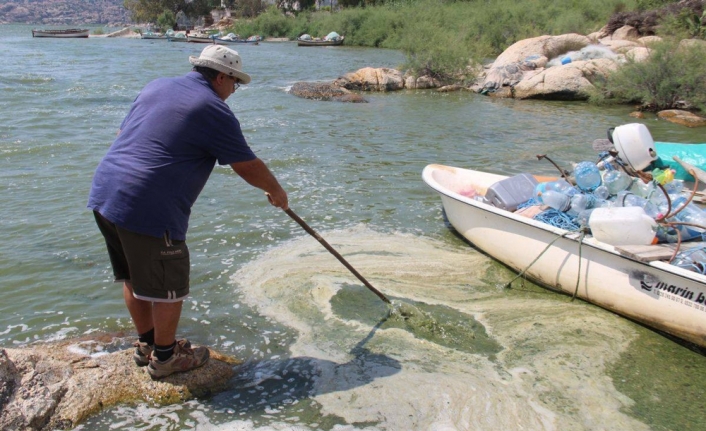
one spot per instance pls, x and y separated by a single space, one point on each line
438 324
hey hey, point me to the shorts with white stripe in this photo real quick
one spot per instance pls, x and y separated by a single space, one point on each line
157 268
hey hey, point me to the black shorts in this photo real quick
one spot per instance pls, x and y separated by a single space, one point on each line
157 268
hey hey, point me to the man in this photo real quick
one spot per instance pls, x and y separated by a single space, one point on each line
145 186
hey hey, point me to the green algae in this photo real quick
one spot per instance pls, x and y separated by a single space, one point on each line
438 324
667 381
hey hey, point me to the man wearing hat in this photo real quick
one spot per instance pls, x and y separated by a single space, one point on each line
144 188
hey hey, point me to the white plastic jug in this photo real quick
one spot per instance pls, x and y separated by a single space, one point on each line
622 226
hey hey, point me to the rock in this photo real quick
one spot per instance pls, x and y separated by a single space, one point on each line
502 93
546 46
325 91
648 40
684 118
57 385
555 83
450 88
426 81
572 81
626 32
373 79
638 54
618 45
637 114
692 43
527 55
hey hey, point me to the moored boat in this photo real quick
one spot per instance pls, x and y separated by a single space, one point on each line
331 39
636 249
634 281
201 39
64 33
152 35
176 37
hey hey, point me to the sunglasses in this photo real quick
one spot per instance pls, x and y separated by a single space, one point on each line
236 84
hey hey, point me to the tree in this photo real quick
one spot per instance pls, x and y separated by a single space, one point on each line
166 20
150 10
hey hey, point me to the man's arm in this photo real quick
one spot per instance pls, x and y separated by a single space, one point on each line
257 174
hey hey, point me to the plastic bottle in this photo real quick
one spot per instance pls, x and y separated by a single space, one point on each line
692 215
616 181
581 202
674 187
640 188
557 200
587 176
629 199
693 260
601 192
560 185
583 217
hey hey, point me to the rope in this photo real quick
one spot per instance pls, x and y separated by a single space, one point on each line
578 276
558 219
522 273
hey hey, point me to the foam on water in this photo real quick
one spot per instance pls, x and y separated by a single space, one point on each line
550 373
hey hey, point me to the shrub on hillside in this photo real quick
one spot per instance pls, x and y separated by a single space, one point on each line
671 77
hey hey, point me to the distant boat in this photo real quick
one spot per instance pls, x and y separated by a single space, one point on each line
66 33
319 42
176 37
225 40
201 39
152 35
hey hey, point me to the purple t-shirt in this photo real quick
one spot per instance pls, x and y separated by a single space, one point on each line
175 132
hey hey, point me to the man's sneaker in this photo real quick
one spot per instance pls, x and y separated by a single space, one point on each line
142 353
184 359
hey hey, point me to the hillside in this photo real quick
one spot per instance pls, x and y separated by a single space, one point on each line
64 12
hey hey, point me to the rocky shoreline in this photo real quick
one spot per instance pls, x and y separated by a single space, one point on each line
560 67
57 385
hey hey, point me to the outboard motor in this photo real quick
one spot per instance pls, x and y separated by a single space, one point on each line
634 145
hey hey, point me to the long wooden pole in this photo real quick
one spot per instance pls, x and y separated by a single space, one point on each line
328 247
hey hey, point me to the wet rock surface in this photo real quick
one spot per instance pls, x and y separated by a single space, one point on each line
57 385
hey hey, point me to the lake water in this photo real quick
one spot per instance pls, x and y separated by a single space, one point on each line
318 354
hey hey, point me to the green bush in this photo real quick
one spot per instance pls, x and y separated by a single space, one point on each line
673 74
166 20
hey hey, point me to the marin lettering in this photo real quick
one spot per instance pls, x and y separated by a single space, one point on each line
675 290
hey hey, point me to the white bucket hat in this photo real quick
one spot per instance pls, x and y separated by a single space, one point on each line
222 59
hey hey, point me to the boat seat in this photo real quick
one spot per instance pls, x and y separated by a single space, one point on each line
649 253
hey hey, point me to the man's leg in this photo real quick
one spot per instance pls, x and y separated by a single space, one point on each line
140 311
166 319
162 316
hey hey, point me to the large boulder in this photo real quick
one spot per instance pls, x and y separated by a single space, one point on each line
546 46
372 79
57 385
556 83
528 55
684 118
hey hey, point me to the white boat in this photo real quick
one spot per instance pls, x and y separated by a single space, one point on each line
65 33
152 35
636 282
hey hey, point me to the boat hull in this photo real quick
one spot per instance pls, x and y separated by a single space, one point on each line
656 294
217 41
65 34
301 42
